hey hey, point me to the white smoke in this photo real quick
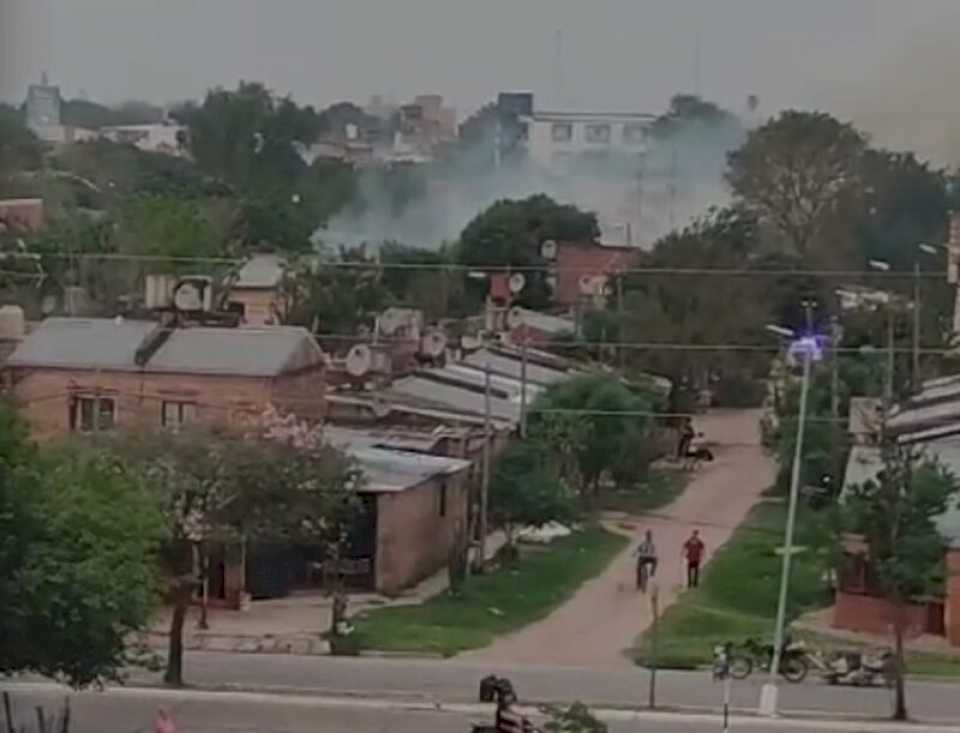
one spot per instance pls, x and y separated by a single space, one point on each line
680 178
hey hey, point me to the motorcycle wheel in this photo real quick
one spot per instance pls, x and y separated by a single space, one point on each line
794 669
740 666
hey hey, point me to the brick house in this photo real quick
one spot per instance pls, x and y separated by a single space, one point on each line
577 261
859 604
81 375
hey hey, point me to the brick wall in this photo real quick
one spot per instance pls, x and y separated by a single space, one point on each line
44 396
870 615
952 620
413 540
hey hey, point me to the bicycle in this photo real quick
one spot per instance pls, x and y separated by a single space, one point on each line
744 657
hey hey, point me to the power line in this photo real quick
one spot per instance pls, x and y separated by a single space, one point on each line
497 268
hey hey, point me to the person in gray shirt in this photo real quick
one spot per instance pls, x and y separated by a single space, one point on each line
646 561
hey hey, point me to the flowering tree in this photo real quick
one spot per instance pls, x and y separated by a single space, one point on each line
272 479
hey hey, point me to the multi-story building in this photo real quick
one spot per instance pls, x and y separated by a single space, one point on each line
555 139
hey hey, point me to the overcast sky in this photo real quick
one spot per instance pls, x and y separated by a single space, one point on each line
883 62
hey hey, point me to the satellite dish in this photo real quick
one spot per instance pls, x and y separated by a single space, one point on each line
514 318
359 360
470 343
552 282
586 285
187 297
548 250
433 344
517 282
390 322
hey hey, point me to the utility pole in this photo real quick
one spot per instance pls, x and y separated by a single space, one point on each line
485 487
621 352
523 387
916 326
891 359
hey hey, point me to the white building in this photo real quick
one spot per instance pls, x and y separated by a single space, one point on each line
156 138
553 138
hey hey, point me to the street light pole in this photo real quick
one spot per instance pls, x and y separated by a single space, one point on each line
769 693
915 373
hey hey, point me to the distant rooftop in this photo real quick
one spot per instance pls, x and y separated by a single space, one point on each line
111 345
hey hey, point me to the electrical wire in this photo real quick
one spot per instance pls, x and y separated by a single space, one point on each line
497 268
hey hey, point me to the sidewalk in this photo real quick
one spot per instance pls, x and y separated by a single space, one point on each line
294 625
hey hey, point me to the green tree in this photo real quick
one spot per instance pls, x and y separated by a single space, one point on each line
19 148
607 421
510 233
80 537
792 171
527 490
274 482
896 514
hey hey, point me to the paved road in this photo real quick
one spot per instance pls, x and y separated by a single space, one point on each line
457 681
606 615
133 711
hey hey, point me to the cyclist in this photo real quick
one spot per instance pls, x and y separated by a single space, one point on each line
646 554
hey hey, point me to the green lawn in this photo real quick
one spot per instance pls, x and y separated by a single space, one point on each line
503 601
738 594
658 489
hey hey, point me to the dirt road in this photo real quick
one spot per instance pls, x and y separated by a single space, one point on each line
606 615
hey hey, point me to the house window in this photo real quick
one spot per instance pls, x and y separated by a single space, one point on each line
634 133
597 134
89 414
561 132
176 414
442 499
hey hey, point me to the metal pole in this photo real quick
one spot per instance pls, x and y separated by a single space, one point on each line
891 363
523 387
835 333
654 632
726 702
916 326
621 352
768 700
485 487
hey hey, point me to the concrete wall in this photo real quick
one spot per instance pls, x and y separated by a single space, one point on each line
413 539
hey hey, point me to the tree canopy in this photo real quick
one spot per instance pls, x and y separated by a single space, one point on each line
79 539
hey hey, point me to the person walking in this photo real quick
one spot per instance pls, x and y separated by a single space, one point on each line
646 554
687 435
693 550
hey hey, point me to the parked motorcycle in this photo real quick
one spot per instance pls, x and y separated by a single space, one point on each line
794 662
859 669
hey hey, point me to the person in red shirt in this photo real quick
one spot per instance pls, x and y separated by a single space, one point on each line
693 550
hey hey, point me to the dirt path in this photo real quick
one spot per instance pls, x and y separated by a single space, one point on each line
606 615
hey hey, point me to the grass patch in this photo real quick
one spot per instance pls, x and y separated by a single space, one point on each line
507 599
738 594
660 487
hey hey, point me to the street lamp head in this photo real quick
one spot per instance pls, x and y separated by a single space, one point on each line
787 333
927 248
880 265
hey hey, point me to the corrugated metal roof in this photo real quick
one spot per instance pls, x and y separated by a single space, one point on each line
95 344
545 323
513 367
391 471
407 440
262 271
457 399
